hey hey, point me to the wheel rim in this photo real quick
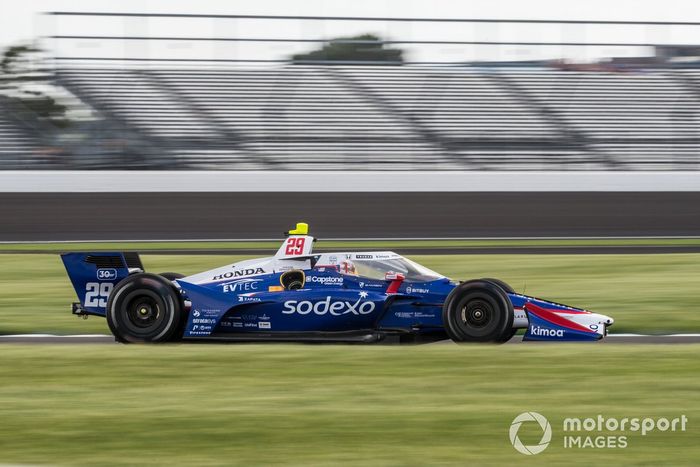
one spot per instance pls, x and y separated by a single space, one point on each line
143 312
477 314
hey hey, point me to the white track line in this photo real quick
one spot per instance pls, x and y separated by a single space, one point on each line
87 336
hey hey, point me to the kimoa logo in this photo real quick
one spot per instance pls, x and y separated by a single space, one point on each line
530 417
538 331
336 308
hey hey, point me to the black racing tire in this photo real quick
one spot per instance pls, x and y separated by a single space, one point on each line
145 308
171 276
478 311
506 288
507 336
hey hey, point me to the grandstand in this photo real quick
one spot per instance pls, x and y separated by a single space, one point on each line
408 117
242 114
19 146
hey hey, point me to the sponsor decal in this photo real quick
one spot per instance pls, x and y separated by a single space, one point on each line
106 274
264 317
410 289
239 273
209 312
237 324
328 306
540 331
264 325
364 256
333 259
243 298
196 313
325 280
243 285
203 321
413 314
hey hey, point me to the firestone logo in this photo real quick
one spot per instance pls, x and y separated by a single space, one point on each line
535 448
335 308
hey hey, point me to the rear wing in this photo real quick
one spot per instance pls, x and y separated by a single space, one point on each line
94 275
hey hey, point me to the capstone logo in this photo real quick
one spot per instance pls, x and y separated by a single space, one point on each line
538 331
535 448
326 280
335 308
239 273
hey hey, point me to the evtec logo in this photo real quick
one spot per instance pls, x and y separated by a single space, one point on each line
337 308
538 331
242 285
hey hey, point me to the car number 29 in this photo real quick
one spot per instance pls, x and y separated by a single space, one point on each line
96 293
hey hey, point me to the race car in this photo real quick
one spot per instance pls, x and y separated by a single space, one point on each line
298 295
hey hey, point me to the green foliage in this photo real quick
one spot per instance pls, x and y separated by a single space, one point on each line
26 86
368 48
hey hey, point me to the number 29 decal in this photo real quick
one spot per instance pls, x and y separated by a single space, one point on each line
97 293
295 246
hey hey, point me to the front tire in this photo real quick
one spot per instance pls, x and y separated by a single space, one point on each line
145 308
478 311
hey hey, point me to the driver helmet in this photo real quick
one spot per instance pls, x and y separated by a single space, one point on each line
348 267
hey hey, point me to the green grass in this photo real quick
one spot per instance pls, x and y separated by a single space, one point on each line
325 405
379 244
644 293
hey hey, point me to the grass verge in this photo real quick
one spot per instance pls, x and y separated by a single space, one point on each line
324 405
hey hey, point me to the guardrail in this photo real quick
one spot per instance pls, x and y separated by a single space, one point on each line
343 181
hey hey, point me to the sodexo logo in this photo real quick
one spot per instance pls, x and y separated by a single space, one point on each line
546 433
335 308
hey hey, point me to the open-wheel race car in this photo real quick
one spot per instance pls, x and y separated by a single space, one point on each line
298 295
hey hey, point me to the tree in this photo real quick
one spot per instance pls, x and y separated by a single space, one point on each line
364 48
27 87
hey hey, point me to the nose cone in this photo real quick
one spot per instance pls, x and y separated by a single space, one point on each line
602 319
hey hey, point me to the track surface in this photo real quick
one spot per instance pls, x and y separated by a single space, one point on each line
122 216
107 339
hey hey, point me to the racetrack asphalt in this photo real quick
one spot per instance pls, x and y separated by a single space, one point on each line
107 339
193 216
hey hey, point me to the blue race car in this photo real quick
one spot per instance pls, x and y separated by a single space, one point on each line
298 295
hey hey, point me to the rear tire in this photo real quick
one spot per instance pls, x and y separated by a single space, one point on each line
171 276
145 308
478 311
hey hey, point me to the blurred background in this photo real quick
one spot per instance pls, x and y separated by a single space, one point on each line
551 144
396 86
